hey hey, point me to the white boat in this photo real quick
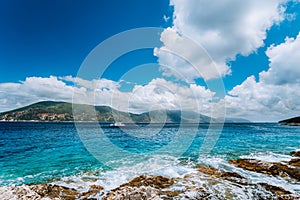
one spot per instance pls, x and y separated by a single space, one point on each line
117 124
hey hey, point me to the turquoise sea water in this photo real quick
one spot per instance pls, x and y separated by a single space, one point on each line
49 152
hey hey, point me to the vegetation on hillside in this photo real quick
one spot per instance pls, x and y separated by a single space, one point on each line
62 111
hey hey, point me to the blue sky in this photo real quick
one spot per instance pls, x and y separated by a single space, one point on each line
44 43
42 38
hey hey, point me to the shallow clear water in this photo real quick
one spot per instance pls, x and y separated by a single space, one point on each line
54 152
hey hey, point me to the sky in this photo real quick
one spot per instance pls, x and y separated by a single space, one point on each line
231 58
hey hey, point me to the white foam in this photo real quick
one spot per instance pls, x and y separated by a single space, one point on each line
269 157
13 193
158 165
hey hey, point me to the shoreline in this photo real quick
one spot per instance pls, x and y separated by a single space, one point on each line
202 181
37 121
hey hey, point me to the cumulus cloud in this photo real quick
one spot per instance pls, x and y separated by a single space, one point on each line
284 63
183 58
258 101
162 94
223 28
275 95
33 89
100 84
46 88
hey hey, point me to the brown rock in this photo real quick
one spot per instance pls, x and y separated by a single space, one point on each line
170 193
158 182
143 187
207 170
214 172
295 153
295 162
94 189
54 191
87 194
293 172
256 165
288 197
275 189
274 169
132 193
231 175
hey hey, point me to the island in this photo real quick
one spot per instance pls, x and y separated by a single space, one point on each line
295 121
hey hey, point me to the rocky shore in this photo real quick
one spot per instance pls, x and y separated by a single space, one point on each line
204 183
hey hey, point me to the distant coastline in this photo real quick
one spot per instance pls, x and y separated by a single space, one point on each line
50 111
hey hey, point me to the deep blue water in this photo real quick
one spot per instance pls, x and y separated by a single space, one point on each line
41 152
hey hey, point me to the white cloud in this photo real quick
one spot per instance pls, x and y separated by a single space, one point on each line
162 94
275 95
258 101
185 59
33 89
46 88
101 84
284 63
157 94
223 28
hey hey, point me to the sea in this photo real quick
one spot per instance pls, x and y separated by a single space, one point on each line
81 154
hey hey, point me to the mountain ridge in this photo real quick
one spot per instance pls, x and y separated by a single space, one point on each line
51 111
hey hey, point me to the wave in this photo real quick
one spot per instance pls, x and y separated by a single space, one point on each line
268 157
159 165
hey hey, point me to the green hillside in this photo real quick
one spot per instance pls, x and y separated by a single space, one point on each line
62 111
